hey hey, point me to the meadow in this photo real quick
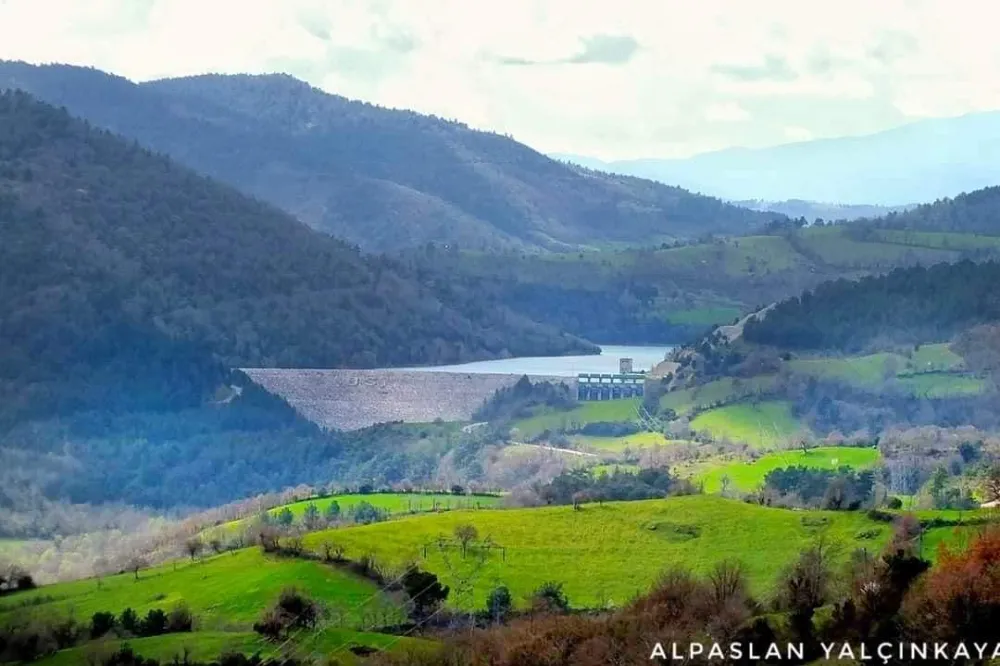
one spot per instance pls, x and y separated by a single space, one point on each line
206 645
605 553
748 475
220 590
639 440
768 424
727 389
585 412
391 503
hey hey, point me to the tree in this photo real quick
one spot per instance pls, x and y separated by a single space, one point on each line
311 518
424 591
550 598
154 624
499 604
366 513
193 546
101 623
285 517
991 486
332 513
129 621
135 563
466 534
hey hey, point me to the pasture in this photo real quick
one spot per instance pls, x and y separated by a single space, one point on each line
764 425
220 590
604 553
748 475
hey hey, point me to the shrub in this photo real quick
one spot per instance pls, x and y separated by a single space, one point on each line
101 623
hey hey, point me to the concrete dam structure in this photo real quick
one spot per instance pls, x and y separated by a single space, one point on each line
354 399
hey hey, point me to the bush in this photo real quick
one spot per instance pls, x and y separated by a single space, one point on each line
550 598
180 620
499 604
101 623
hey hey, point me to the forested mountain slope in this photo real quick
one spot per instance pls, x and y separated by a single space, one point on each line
907 306
671 294
383 179
116 259
973 212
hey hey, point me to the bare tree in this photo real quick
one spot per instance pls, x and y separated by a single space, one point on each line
135 563
466 534
193 547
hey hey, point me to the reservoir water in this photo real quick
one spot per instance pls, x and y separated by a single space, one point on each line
643 358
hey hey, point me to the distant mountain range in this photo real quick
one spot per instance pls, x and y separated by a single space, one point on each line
382 179
915 163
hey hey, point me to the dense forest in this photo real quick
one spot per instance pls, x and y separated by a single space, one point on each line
974 212
383 179
906 306
117 260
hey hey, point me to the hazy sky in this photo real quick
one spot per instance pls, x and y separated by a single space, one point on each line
612 79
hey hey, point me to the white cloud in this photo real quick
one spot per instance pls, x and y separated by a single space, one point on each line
726 112
626 79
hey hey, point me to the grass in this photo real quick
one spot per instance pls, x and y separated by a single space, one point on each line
209 645
930 371
394 502
727 389
639 440
221 590
706 316
941 385
938 239
605 552
747 476
765 425
587 412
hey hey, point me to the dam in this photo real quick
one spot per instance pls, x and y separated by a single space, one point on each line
354 399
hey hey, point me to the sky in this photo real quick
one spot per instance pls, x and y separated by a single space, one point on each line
612 80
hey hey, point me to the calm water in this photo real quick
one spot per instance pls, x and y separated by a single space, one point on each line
643 358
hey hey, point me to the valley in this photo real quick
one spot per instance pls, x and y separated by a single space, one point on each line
290 379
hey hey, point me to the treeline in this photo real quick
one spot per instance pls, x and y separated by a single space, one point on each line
518 401
907 306
974 212
579 486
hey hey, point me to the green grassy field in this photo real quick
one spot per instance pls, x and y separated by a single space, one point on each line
747 476
394 502
208 645
942 385
727 389
869 370
765 425
937 239
221 591
931 371
610 551
707 316
587 412
639 440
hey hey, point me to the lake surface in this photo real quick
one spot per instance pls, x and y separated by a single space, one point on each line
643 358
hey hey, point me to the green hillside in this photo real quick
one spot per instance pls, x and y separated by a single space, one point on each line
220 590
764 425
746 475
588 549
